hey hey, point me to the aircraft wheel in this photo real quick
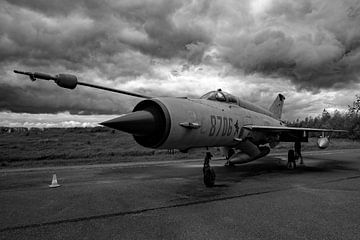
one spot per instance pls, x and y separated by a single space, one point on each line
209 177
291 159
291 165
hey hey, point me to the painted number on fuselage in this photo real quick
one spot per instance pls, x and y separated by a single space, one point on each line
220 126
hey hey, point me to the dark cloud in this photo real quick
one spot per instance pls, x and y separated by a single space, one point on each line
115 41
88 33
313 43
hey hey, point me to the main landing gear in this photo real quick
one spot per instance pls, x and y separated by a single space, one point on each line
294 155
209 174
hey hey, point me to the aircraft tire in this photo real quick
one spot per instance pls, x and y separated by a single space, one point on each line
291 159
209 177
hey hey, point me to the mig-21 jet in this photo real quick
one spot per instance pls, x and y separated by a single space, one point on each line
243 130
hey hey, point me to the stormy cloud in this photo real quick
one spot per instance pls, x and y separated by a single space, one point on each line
169 48
313 43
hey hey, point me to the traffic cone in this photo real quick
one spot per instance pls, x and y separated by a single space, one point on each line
54 182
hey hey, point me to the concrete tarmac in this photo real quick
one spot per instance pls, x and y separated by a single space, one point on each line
167 200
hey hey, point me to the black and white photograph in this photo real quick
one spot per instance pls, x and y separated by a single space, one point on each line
180 119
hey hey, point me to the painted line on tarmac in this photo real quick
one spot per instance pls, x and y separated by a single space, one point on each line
139 211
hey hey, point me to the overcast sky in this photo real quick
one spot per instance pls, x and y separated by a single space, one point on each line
308 50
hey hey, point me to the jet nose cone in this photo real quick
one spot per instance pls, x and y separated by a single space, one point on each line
139 123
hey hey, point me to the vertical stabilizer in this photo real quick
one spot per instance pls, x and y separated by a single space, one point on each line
277 106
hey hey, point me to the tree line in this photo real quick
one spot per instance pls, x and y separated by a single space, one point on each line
349 120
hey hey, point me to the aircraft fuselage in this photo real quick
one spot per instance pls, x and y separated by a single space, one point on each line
189 123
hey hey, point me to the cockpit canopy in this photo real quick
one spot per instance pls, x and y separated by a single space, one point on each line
220 96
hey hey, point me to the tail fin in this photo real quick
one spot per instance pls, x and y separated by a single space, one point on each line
277 106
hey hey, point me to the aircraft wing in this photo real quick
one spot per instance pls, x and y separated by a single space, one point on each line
279 129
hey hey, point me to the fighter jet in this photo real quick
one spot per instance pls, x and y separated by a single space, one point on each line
244 131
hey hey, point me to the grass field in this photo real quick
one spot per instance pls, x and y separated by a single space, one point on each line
54 147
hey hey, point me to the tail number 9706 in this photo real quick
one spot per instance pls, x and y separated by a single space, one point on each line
220 126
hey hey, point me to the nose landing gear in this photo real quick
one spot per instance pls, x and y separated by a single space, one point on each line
208 171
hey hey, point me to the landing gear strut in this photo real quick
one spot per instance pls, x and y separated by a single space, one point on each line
291 164
297 147
209 174
229 155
